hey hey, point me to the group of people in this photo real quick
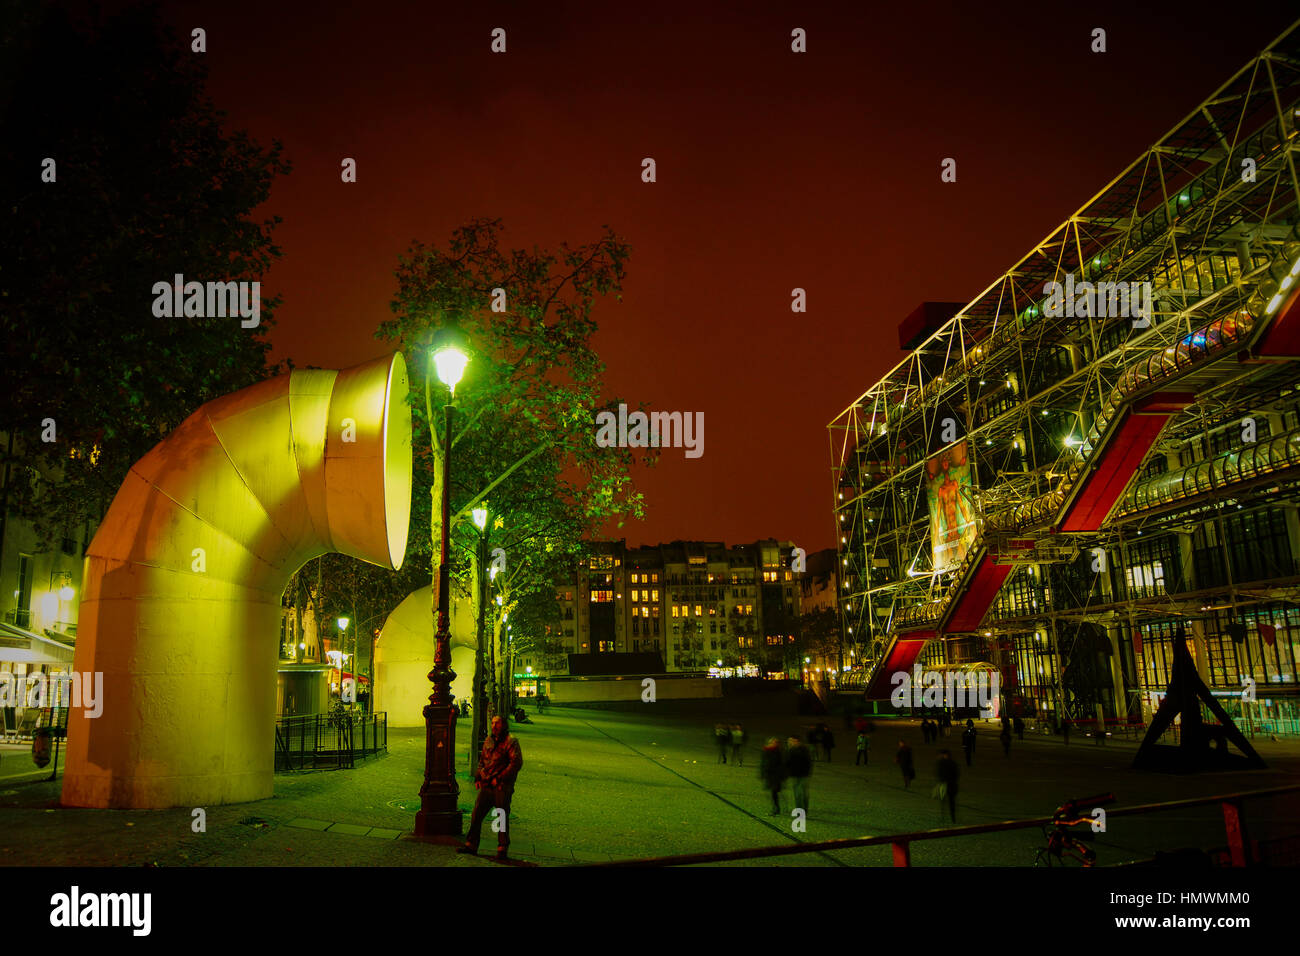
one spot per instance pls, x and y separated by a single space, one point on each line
730 737
932 729
793 762
821 737
945 771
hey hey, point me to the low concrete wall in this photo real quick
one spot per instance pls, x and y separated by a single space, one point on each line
607 689
683 695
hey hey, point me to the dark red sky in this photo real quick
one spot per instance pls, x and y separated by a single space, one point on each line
775 170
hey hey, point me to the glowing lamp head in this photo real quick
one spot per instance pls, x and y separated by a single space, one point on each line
450 356
480 518
67 593
344 622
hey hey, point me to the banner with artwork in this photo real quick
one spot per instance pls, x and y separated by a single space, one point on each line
952 515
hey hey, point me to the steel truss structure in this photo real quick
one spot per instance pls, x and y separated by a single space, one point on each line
1109 453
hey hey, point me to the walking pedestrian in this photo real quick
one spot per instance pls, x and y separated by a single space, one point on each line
815 740
798 764
946 789
968 741
498 767
1019 726
1005 737
904 760
771 768
738 744
864 746
828 742
722 737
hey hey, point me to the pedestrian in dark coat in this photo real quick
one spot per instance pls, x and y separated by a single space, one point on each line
498 766
946 790
798 764
968 741
771 768
722 737
1005 737
904 760
1019 726
828 742
864 749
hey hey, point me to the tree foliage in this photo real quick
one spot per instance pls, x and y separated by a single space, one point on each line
524 430
148 185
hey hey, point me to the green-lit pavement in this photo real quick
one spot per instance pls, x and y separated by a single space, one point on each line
599 785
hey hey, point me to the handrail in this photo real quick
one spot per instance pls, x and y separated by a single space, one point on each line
901 841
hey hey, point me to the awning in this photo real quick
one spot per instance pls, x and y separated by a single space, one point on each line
18 646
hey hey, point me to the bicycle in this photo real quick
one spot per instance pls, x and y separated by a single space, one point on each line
1064 848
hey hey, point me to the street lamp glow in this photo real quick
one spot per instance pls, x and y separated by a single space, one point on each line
480 517
449 357
67 593
344 622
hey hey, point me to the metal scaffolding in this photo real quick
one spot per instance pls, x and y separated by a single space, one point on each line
1043 394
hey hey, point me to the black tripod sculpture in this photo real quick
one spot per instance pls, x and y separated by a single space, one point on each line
1201 747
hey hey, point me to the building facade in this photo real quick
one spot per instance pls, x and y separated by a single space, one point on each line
1100 454
701 606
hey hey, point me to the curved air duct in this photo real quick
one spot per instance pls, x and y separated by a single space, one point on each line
181 609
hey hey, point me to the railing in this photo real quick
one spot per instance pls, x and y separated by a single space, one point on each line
1233 819
326 741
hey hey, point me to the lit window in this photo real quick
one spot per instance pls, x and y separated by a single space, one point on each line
699 610
674 610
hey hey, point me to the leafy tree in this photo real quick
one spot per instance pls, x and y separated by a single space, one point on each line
524 431
147 184
817 635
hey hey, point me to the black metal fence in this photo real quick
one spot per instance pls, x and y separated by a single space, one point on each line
328 741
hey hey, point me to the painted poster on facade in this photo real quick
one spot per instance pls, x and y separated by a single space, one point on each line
952 515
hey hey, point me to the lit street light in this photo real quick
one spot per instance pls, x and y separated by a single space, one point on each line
438 814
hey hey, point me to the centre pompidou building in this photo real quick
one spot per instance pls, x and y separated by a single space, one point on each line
1100 453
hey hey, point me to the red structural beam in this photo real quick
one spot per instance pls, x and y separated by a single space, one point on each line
1121 457
974 601
901 657
1282 340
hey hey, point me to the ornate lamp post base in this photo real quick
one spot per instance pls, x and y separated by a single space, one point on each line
439 816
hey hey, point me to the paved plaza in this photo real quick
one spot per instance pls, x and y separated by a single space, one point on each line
598 786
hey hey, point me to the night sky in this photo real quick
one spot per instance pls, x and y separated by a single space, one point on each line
776 170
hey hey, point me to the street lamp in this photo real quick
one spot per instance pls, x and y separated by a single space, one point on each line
343 623
438 814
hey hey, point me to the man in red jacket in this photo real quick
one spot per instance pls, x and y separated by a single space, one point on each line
498 766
